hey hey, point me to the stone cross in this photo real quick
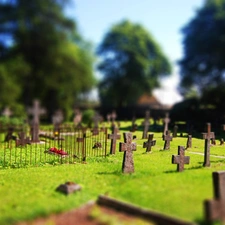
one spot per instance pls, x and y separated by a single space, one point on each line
166 123
207 136
35 111
128 147
148 144
133 125
180 159
114 136
215 209
146 124
167 138
23 140
189 141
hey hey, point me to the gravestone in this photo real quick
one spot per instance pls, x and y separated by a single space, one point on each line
23 140
215 209
180 159
128 147
68 188
207 137
148 144
146 124
175 128
9 136
166 123
114 136
57 120
96 119
36 111
133 125
83 150
77 118
221 141
167 138
189 141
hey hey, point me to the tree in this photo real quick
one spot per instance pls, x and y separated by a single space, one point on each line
204 48
59 59
132 63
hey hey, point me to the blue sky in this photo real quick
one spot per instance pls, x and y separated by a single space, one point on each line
162 18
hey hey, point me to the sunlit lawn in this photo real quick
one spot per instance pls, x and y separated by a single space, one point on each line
27 193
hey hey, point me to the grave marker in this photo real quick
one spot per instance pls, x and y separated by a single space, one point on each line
148 144
207 136
146 124
23 140
36 112
128 147
215 209
114 136
180 159
167 138
68 188
57 119
189 141
166 123
83 150
175 131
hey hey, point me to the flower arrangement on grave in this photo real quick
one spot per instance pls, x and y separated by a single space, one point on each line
54 150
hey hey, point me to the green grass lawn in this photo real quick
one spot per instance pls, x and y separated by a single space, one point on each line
27 193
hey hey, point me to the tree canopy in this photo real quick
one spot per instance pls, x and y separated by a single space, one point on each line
204 48
131 63
55 62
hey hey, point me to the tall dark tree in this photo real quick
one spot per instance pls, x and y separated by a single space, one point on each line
60 62
132 63
204 49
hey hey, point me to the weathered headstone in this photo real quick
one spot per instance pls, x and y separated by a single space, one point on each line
68 188
146 124
148 144
215 209
166 123
167 138
180 159
114 136
207 137
189 141
35 111
128 147
96 119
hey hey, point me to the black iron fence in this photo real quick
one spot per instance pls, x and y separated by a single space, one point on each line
68 145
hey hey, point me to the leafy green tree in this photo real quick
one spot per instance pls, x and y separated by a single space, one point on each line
59 60
132 63
204 48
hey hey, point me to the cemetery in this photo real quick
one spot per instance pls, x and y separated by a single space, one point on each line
110 165
112 131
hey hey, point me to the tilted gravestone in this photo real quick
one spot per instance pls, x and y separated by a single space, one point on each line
180 159
207 137
114 136
128 147
148 144
35 111
167 138
215 209
146 125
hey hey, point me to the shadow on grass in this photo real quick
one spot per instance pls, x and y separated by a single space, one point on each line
192 168
203 222
111 173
